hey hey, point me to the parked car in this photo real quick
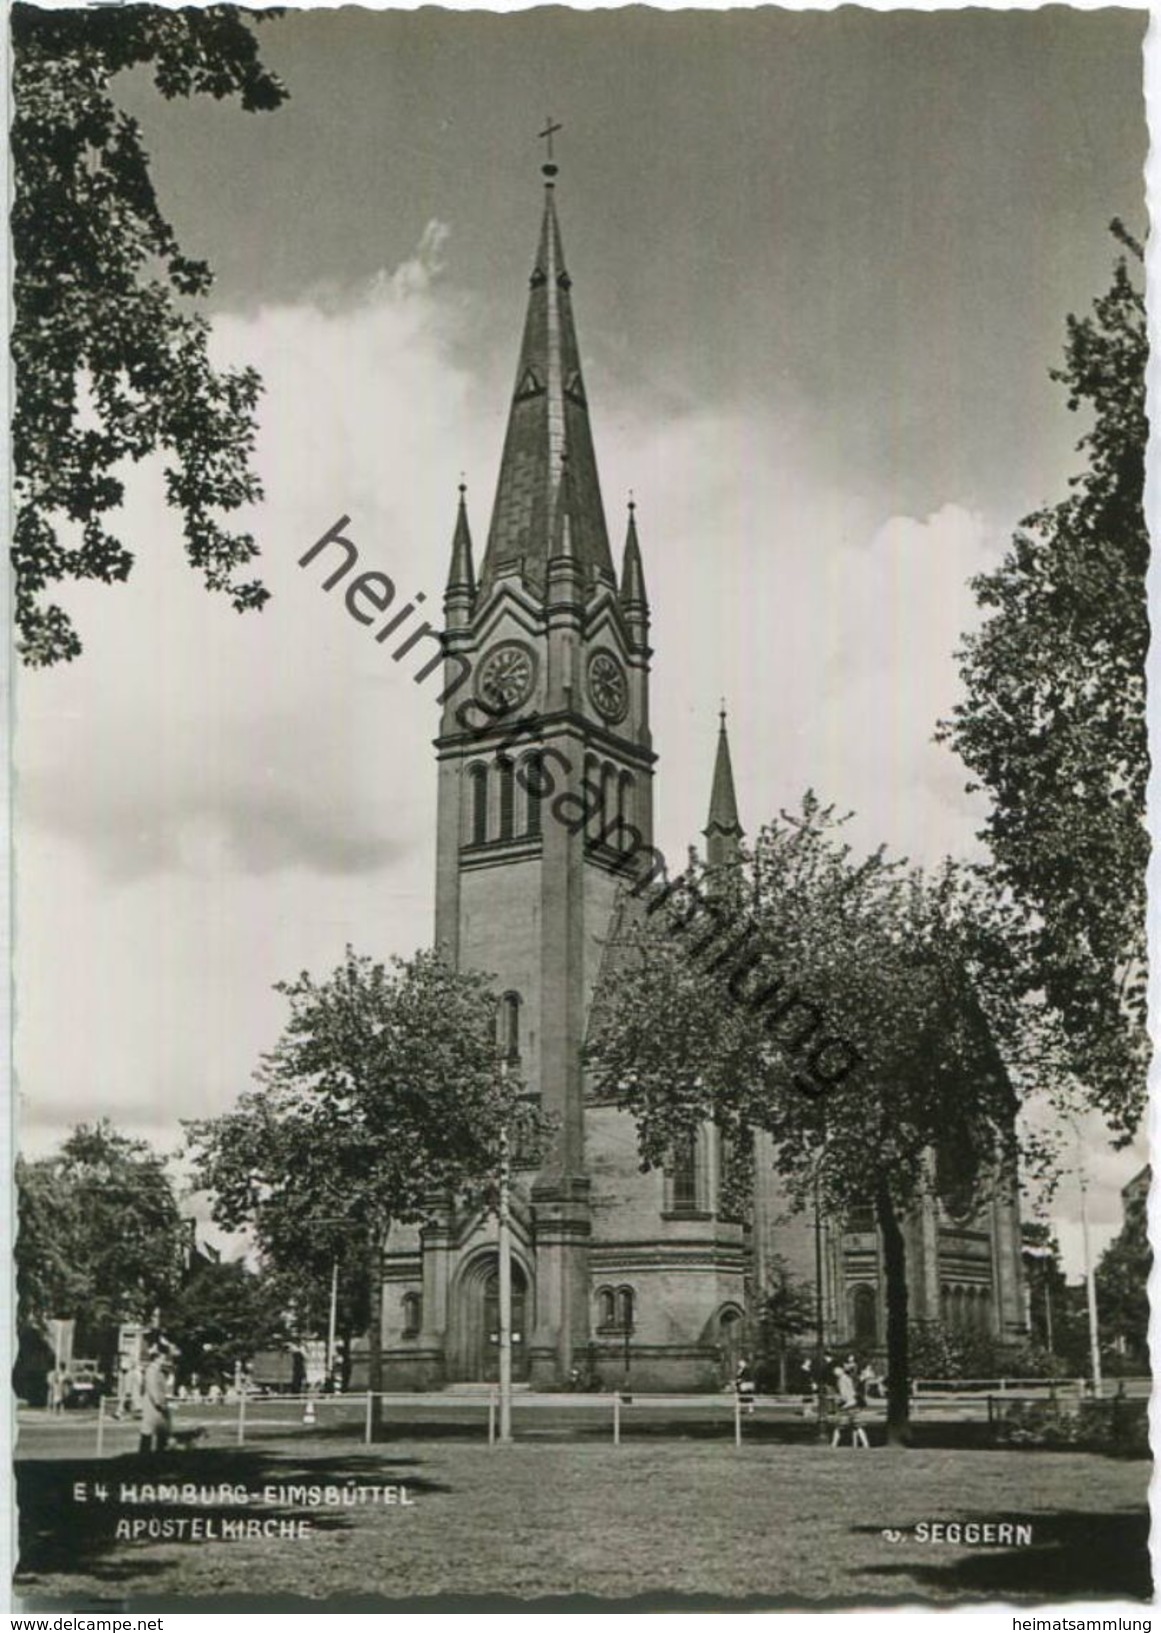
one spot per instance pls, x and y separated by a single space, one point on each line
84 1385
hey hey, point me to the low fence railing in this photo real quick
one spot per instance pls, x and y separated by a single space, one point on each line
249 1417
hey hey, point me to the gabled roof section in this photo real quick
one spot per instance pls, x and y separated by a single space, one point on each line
548 418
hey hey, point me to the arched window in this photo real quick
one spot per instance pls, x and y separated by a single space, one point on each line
508 1027
957 1309
626 1308
685 1174
507 797
730 1338
608 830
624 809
412 1314
985 1310
533 781
606 1308
479 804
865 1314
592 795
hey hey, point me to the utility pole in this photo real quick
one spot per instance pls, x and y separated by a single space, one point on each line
818 1314
505 1297
333 1320
505 1255
1090 1283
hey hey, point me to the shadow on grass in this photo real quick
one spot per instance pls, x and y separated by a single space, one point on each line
59 1535
1072 1556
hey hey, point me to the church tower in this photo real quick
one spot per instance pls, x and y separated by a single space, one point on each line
544 818
545 767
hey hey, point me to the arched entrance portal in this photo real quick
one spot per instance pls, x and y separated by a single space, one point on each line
481 1312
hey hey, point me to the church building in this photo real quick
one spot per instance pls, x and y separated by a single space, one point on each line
640 1277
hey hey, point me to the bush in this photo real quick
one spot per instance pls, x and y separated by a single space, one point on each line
1119 1428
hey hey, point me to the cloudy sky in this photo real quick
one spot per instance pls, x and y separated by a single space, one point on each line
821 267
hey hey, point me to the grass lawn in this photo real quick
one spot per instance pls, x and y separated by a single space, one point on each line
786 1523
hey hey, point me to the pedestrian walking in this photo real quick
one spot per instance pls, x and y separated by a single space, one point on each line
744 1386
849 1412
156 1419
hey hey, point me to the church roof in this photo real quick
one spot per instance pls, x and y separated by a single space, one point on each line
723 810
548 418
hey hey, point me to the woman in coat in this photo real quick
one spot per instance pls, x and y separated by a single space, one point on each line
155 1418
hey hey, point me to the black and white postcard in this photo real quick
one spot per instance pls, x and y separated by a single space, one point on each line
579 783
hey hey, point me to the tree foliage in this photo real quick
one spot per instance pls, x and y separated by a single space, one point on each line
224 1313
384 1094
1053 722
823 951
110 362
1122 1287
100 1238
785 1323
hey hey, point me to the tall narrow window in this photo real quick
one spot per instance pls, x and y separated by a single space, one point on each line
624 810
866 1315
479 797
592 794
609 828
534 785
507 797
626 1308
685 1175
508 1027
412 1314
606 1308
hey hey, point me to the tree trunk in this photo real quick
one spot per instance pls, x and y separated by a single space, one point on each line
377 1243
898 1358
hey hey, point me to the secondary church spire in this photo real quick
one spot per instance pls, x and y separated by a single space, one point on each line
634 601
548 419
461 574
723 831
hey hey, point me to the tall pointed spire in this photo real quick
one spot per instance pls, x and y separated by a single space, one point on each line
461 574
460 593
634 601
723 831
548 417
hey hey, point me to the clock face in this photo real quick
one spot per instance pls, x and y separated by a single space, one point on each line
608 688
506 676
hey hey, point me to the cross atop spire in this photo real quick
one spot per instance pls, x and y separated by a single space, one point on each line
547 420
549 169
461 578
